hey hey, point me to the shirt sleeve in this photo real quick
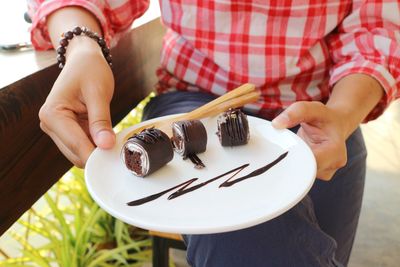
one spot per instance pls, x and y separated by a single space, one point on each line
368 41
113 16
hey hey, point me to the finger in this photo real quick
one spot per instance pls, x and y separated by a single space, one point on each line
84 124
329 163
326 175
100 121
64 150
329 155
324 170
313 134
299 112
62 126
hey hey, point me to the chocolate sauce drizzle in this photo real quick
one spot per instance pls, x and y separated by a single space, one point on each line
149 135
234 125
184 188
188 140
257 172
198 164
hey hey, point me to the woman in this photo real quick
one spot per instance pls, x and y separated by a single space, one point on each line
323 66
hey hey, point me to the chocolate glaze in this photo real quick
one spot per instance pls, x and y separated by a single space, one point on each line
184 189
233 128
198 164
153 145
189 137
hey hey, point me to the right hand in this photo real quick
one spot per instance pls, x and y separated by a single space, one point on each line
76 113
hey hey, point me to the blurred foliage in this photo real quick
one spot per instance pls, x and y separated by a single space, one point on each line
74 231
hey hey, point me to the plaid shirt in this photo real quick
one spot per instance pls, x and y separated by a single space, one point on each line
292 50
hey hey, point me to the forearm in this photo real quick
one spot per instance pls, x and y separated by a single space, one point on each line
80 98
65 19
353 97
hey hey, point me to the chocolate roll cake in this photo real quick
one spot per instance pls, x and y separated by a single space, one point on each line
189 137
147 151
233 128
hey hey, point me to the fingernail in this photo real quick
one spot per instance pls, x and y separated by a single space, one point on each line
105 139
281 121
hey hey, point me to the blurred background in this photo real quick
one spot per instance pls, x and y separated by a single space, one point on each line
378 237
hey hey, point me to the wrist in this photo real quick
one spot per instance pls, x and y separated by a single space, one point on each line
345 122
81 45
353 98
82 33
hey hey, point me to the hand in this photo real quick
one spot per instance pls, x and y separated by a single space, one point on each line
323 129
76 114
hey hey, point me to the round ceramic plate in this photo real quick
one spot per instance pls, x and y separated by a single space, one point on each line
210 208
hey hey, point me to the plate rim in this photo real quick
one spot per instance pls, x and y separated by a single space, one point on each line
195 230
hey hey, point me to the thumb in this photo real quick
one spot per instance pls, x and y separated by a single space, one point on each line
299 112
100 122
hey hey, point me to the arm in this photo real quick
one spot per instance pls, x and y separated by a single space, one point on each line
76 113
353 106
325 128
112 16
367 42
365 78
66 19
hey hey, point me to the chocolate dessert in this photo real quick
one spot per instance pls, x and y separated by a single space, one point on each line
147 151
233 128
189 138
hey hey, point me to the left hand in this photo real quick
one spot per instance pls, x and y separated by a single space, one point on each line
323 129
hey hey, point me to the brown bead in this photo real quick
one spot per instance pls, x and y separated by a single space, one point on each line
64 42
101 42
61 59
96 37
77 30
106 51
68 35
61 50
89 34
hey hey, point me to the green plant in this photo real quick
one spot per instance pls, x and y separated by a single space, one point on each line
74 231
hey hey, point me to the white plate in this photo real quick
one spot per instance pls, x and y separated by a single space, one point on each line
209 209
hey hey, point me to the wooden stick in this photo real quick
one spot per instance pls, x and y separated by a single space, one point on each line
236 93
238 97
224 106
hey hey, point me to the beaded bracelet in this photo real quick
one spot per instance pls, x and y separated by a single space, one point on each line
67 36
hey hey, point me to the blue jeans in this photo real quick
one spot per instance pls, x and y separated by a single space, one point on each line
318 231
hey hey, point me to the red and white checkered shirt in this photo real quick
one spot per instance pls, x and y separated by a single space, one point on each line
292 50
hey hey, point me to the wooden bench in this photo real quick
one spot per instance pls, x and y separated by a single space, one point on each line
25 151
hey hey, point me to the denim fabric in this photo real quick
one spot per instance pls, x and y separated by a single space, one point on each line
318 231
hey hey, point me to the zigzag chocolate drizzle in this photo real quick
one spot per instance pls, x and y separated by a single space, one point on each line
184 188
